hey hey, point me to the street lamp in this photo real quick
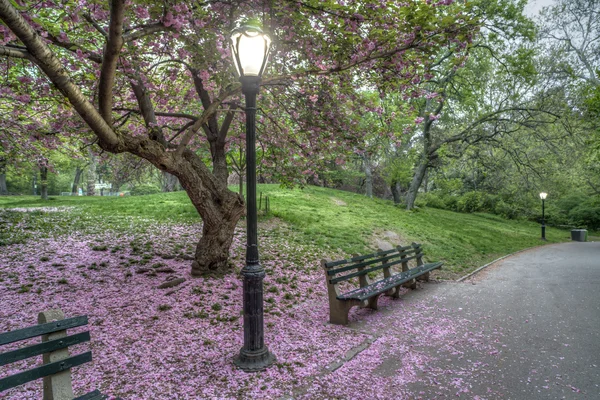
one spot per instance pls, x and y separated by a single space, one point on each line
250 52
543 197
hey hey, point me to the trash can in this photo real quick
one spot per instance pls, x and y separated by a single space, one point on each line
579 235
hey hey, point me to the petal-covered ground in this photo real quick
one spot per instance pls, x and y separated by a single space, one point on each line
178 343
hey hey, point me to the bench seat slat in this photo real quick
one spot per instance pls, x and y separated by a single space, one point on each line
41 348
373 269
44 370
42 329
388 283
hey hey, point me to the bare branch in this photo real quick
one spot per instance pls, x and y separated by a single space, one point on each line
97 58
206 115
15 52
160 113
145 31
95 24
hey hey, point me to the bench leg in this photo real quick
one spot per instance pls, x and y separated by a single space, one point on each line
424 277
57 386
395 292
372 304
412 284
338 312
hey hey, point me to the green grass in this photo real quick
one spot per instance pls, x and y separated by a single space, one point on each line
339 223
348 222
164 206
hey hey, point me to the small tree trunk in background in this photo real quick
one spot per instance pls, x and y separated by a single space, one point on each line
169 182
44 182
368 176
415 184
241 168
91 174
395 192
3 189
76 180
34 182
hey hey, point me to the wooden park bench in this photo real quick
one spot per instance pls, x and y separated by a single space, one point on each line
57 363
364 267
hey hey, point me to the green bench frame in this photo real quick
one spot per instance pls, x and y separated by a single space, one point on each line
57 363
368 293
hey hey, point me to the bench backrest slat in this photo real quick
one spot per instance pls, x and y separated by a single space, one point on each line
44 370
399 256
331 264
44 347
42 329
363 272
361 264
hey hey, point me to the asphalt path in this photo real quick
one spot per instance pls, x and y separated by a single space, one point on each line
524 328
544 305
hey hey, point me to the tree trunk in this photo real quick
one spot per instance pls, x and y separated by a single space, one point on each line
75 189
429 154
44 182
212 250
3 189
415 184
219 207
395 192
241 177
91 174
169 182
34 181
368 176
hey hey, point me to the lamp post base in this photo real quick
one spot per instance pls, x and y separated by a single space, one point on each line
253 361
543 232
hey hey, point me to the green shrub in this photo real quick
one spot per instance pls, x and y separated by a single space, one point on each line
143 189
431 200
451 202
586 215
567 203
470 202
508 211
489 201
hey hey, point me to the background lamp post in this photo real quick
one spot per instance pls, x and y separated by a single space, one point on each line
250 52
543 197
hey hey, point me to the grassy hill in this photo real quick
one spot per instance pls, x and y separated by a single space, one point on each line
340 223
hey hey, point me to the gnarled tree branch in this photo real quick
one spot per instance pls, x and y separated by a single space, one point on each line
111 56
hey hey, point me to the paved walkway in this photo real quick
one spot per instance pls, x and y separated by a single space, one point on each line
544 304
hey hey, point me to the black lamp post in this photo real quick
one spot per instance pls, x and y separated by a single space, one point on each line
250 52
543 197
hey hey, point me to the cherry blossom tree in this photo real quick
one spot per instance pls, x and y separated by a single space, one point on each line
155 80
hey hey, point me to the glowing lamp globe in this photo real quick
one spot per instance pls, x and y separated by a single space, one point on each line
250 47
